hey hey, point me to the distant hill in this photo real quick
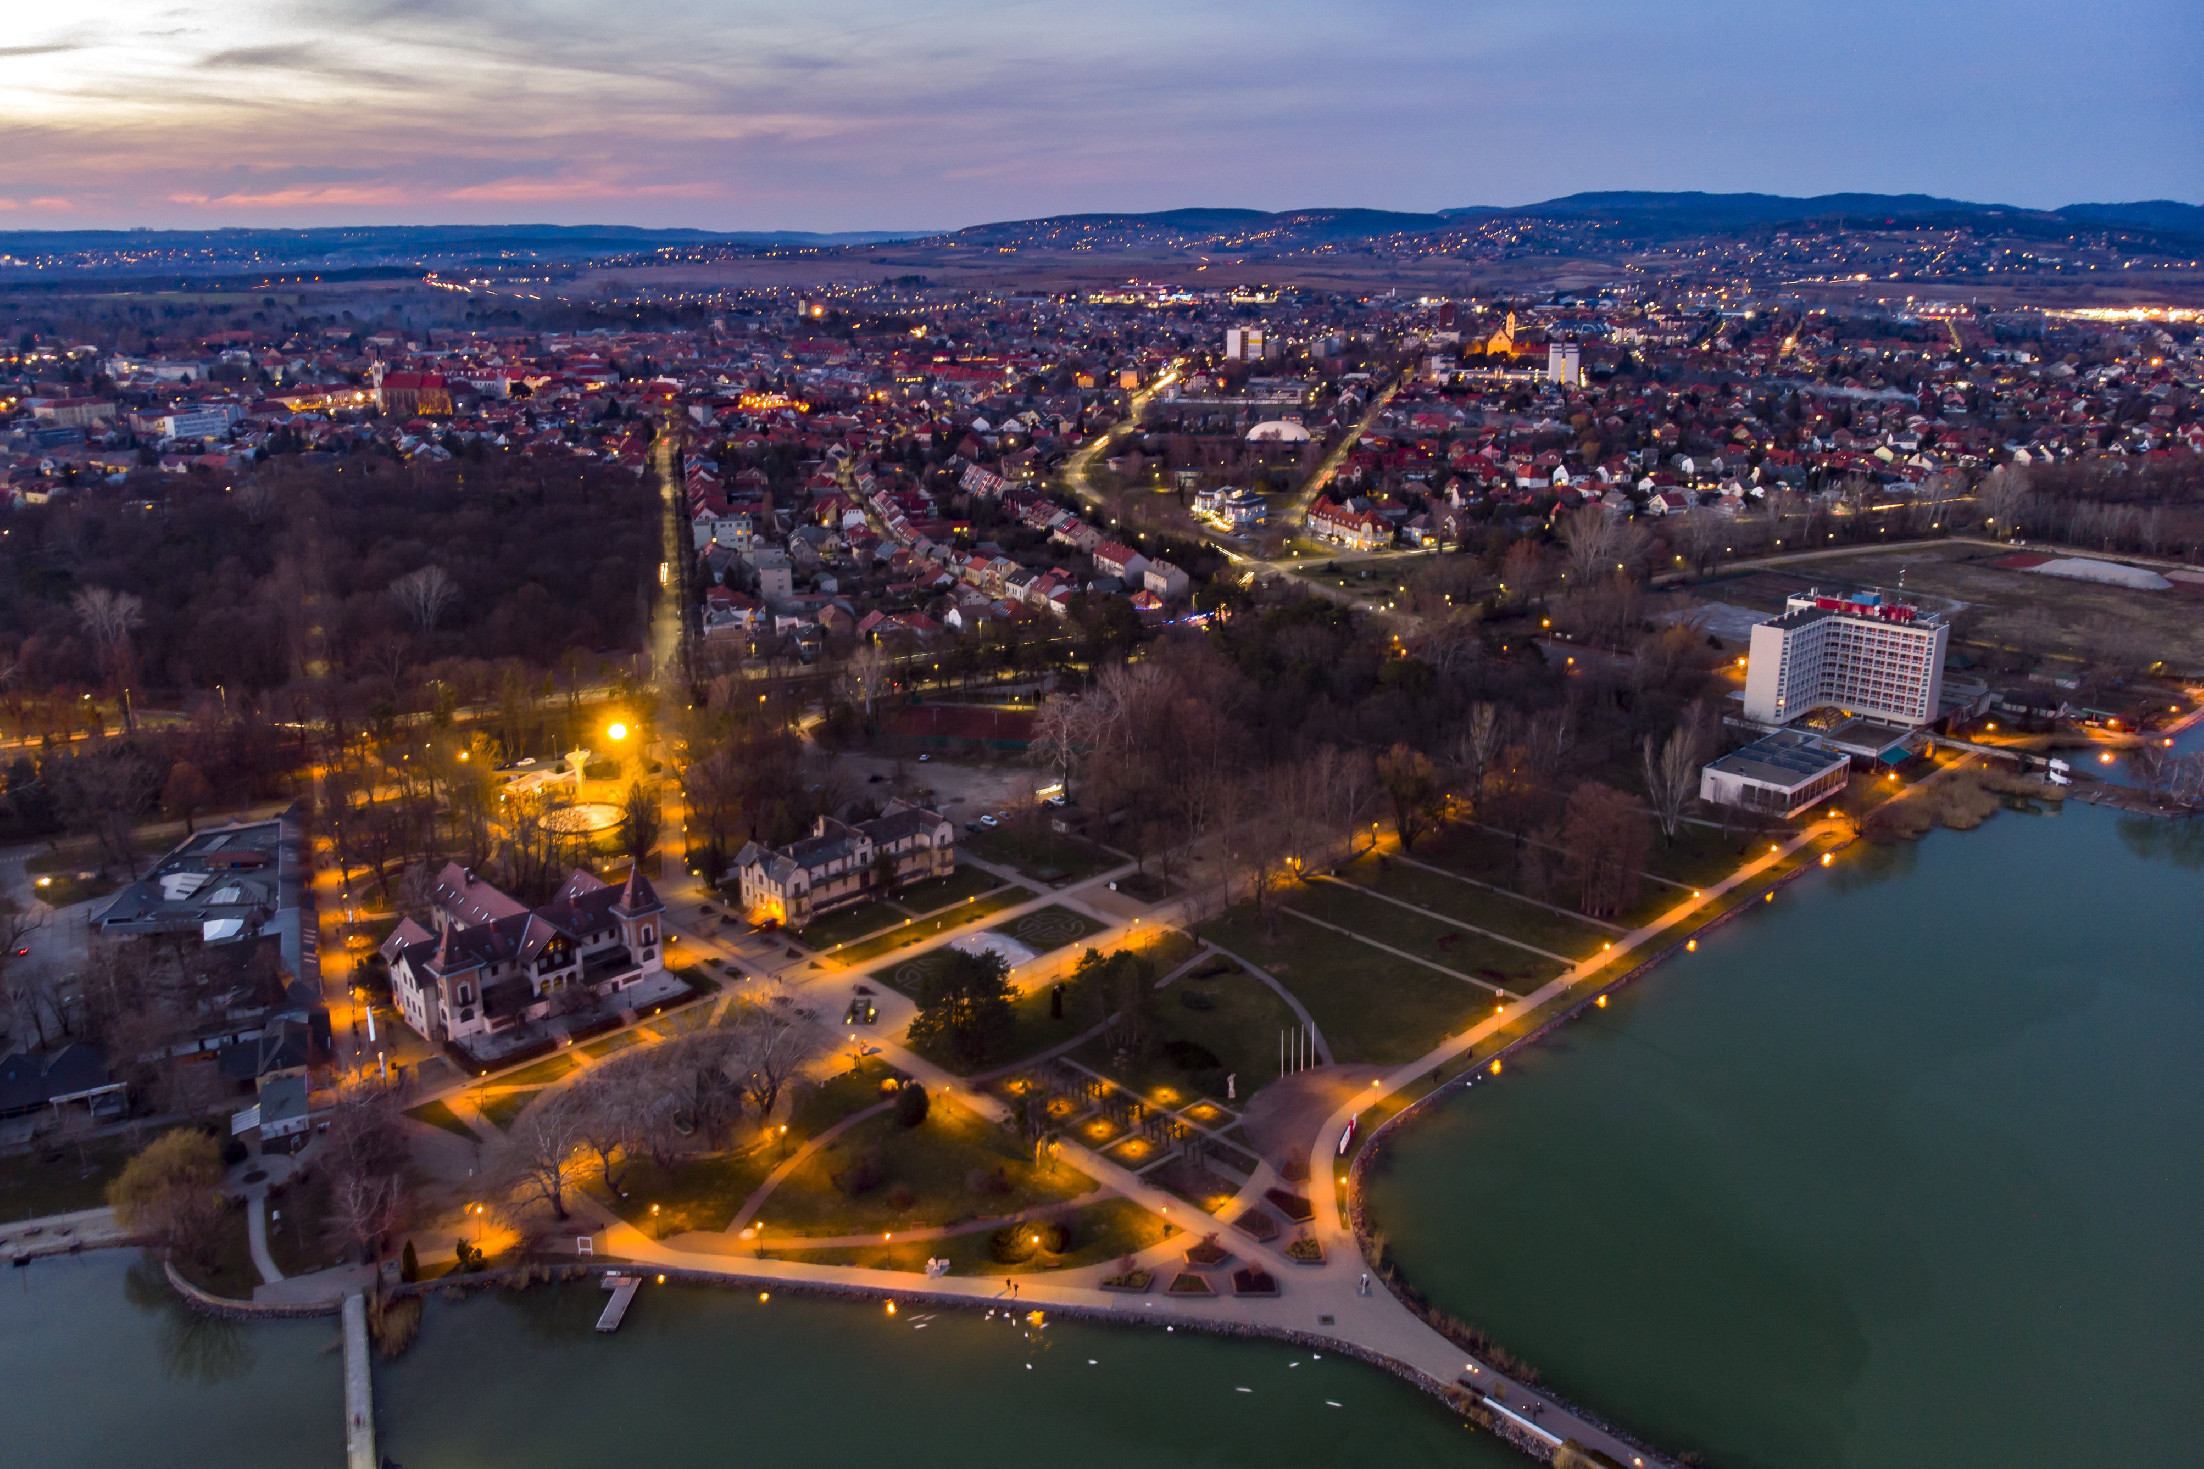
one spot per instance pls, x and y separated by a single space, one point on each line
2155 214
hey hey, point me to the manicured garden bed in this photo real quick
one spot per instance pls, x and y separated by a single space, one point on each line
1253 1282
1257 1225
1293 1206
1186 1283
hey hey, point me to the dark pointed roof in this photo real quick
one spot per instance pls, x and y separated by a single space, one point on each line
637 896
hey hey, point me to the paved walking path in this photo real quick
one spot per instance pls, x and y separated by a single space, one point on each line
256 1239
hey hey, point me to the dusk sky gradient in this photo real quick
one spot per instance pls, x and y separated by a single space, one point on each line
850 114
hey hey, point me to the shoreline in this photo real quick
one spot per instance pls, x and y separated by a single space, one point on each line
1373 1148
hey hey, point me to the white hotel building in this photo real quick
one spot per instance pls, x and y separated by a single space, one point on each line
1855 652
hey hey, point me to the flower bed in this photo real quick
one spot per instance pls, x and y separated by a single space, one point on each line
1293 1206
1186 1283
1208 1254
1306 1250
1132 1282
1257 1225
1253 1282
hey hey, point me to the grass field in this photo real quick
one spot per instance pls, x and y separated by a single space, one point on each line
32 1187
848 925
1034 852
554 1067
611 1044
499 1111
934 1162
440 1114
1100 1233
1370 1005
919 930
696 1193
2167 620
943 892
1464 952
1240 1028
1477 906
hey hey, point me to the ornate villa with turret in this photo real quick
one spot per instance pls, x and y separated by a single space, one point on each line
493 965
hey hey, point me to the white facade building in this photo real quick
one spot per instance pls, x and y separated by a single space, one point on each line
1856 652
1564 363
1780 774
1249 344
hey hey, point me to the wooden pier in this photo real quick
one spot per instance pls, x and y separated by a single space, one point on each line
623 1288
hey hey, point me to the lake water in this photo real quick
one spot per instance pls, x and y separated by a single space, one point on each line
101 1367
1902 1169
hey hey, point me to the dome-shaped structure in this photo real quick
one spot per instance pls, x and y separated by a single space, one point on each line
1278 431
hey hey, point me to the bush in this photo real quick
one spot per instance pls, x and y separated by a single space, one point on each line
911 1104
1013 1244
1055 1237
1191 1056
987 1181
863 1175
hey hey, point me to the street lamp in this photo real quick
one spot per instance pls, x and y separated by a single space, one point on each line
617 731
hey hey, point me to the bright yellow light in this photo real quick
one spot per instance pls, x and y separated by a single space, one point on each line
617 731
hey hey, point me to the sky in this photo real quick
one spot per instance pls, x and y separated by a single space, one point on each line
852 114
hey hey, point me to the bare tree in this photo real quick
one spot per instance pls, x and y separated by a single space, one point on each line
1671 777
425 595
639 821
867 673
539 1158
1477 744
769 1044
109 617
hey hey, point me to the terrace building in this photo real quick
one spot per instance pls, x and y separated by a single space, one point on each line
844 863
1780 774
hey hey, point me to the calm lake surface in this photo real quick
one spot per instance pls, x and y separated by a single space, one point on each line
1902 1170
1906 1168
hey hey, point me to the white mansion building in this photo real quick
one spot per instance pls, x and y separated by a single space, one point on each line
839 863
493 963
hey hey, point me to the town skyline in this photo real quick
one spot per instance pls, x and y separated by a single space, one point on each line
853 118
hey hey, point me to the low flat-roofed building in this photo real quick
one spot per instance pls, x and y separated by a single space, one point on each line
1780 774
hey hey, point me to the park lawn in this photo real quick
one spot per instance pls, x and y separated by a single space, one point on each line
440 1114
1469 953
231 1271
920 930
555 1067
31 1187
691 1017
300 1240
906 975
849 925
1050 928
1700 856
933 1161
1100 1233
829 1101
1032 1031
1501 913
1166 948
499 1111
1035 850
1371 1006
697 1193
931 894
1241 1030
608 1045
